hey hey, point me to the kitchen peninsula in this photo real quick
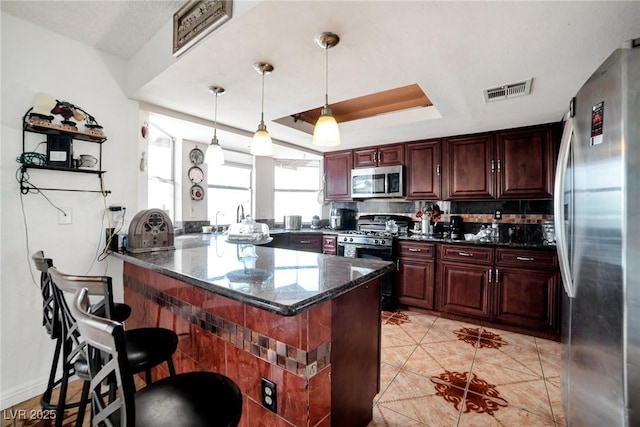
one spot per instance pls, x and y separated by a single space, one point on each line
308 322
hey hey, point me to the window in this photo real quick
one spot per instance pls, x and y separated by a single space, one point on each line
229 187
297 183
161 171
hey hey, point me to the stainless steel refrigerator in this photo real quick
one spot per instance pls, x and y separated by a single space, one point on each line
597 222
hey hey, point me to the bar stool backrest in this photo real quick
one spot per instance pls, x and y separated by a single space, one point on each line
107 361
50 318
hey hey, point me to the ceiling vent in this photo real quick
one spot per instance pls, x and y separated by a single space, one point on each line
507 91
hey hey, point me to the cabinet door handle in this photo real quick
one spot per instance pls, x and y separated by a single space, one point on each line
497 276
414 250
525 258
493 166
397 264
490 275
499 165
438 170
464 254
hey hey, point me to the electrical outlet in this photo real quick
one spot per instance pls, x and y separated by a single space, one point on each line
497 214
312 369
64 216
269 395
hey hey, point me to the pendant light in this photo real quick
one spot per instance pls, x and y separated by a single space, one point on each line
326 133
262 144
214 155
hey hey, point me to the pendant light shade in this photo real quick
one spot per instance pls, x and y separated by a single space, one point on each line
262 144
214 155
326 133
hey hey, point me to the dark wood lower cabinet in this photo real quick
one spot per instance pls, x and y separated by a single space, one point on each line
415 274
528 299
465 290
512 288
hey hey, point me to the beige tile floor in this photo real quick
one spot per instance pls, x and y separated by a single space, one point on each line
440 372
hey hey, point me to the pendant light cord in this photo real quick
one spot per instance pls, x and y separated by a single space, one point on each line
215 118
262 106
326 73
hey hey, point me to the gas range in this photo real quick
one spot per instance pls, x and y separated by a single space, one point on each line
366 237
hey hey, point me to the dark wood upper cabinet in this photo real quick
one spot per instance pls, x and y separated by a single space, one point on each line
424 171
509 164
384 155
469 165
337 175
525 163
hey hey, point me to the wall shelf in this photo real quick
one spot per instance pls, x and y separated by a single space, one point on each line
35 125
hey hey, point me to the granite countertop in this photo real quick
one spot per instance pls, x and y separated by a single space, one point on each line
502 244
281 281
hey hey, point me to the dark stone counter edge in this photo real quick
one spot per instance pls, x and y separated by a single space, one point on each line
281 309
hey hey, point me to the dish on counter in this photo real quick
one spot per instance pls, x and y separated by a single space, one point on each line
248 239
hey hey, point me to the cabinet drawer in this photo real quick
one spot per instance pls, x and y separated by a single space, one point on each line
524 258
416 250
466 254
306 242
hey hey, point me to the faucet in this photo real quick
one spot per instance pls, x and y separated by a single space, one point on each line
219 212
239 213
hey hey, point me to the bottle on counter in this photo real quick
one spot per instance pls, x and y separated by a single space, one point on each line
495 231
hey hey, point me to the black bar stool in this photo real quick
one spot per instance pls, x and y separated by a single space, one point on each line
51 320
194 399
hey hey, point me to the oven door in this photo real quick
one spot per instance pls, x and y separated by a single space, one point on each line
383 253
388 300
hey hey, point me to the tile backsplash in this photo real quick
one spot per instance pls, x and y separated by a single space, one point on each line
524 216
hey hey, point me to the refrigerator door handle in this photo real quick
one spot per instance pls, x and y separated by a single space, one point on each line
558 208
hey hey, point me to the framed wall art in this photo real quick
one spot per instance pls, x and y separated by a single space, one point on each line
195 20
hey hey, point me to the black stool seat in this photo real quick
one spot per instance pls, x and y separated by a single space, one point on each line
149 347
119 312
194 399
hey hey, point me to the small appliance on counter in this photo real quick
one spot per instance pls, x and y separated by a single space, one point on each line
316 222
342 219
150 230
292 222
455 227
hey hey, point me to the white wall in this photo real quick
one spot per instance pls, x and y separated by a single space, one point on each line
35 60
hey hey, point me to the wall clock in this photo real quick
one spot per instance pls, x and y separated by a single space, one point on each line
197 192
195 174
196 156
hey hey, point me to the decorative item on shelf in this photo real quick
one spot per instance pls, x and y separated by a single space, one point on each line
326 132
144 130
262 144
66 110
214 155
41 111
40 117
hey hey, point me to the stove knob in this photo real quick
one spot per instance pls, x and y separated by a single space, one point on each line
351 239
381 242
375 242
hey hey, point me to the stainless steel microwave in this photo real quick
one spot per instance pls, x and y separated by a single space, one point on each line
377 182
